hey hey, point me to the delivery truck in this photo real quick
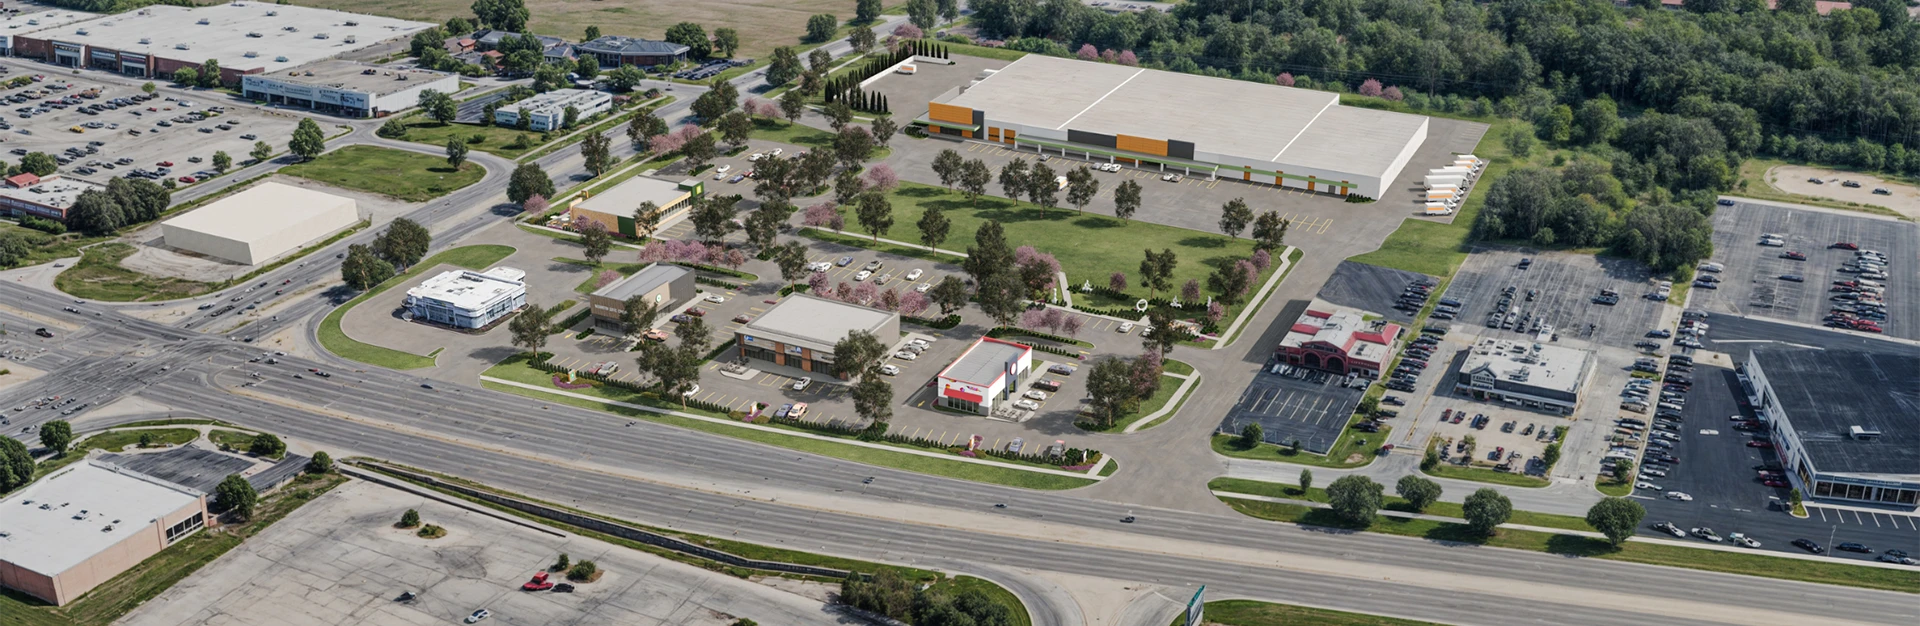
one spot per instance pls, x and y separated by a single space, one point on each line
1437 180
1439 208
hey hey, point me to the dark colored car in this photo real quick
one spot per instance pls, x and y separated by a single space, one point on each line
1809 546
1854 547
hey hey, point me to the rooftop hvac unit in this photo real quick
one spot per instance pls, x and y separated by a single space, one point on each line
272 13
350 39
82 31
182 46
254 35
251 54
34 22
320 36
280 59
145 41
204 21
352 23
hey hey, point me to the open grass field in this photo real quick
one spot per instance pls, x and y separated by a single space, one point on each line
336 340
1254 613
409 176
762 25
493 139
99 276
42 247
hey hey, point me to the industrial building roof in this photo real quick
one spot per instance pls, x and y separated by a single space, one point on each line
1527 363
645 280
242 35
623 198
23 23
817 323
187 466
258 212
557 100
65 519
1218 115
54 191
615 44
985 361
467 289
355 77
1827 392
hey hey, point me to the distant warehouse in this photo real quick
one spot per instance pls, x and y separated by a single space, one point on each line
24 194
1183 123
261 223
347 89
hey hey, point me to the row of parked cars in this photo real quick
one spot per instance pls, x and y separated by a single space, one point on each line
1859 302
1415 358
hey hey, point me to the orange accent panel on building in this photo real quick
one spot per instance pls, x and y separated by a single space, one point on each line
1140 144
1008 134
949 113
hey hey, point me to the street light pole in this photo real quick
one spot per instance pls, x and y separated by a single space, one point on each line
1831 534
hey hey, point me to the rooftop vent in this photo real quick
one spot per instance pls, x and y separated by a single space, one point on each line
280 59
82 31
352 23
1864 433
204 21
272 13
144 40
251 54
181 46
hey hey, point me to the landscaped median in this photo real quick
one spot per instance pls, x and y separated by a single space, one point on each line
1256 613
1473 472
1254 498
516 375
335 340
1177 384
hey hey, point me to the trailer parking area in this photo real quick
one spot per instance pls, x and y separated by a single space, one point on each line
1750 284
1563 286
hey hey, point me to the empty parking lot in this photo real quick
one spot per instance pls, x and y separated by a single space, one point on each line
1312 409
1751 283
1563 286
1371 288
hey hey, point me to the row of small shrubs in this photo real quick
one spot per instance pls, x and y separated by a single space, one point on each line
944 323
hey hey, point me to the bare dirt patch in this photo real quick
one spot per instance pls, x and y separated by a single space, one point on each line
1903 199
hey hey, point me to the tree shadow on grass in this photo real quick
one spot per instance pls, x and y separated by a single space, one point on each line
1449 533
921 192
1203 242
1092 221
441 169
1575 545
1326 520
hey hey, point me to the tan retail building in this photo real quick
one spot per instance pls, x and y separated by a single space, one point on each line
68 533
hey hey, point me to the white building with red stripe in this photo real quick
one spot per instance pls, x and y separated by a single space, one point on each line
1339 340
989 372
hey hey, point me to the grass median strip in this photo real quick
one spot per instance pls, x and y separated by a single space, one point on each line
1391 503
335 340
1256 613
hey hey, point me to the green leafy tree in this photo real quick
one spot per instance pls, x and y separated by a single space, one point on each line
644 126
1557 126
783 66
792 260
699 150
713 218
265 444
1616 518
1519 142
149 88
593 32
866 11
974 179
792 103
1013 178
584 571
948 165
56 435
818 60
1270 231
862 40
646 218
1126 199
531 327
456 152
96 213
236 496
1486 510
821 28
883 129
595 242
1041 186
1111 392
438 106
39 163
873 399
1419 493
260 151
852 145
1251 435
949 9
1234 217
507 15
726 41
1355 498
16 464
623 78
875 213
934 227
307 142
1597 122
1306 481
637 314
597 150
735 127
528 180
763 225
677 368
838 114
363 269
950 294
561 564
404 242
1081 187
186 77
222 162
924 14
587 67
321 463
858 355
409 519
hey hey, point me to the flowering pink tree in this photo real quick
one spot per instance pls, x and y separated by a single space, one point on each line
864 293
535 204
1146 373
693 252
659 250
882 178
1285 79
819 215
1071 326
1370 88
735 259
1037 268
913 304
1216 311
843 292
606 278
1246 267
890 299
1109 56
672 141
908 31
817 283
1261 259
1088 53
1190 292
1052 319
1033 319
1127 58
1117 282
1393 93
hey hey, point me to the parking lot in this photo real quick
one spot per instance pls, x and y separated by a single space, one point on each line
1558 290
133 136
338 560
1751 284
1306 405
1371 288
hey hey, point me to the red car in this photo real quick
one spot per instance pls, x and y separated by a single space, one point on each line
1846 245
697 312
166 164
743 318
1777 484
1797 256
1763 445
186 179
539 583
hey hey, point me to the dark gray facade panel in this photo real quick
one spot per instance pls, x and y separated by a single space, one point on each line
1180 149
1091 139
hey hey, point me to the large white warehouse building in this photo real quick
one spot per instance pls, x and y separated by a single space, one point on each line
260 224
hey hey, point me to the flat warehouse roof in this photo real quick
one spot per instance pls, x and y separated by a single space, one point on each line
645 280
159 30
1354 139
623 198
264 210
825 322
1827 392
80 503
354 76
23 23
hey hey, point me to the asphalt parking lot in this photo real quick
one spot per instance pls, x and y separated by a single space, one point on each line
1564 286
1309 406
912 92
1371 288
1751 283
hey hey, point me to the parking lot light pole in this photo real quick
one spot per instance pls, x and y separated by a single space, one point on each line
1830 535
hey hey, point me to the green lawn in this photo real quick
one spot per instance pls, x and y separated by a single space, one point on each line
1746 563
807 136
42 247
119 440
516 369
1391 503
409 176
336 340
230 438
1254 613
105 604
1168 385
1176 367
1293 262
1615 489
99 276
494 139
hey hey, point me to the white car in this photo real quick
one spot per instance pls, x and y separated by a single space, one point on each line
724 168
905 355
691 390
478 615
1027 405
715 299
1646 485
915 274
1669 528
819 266
890 370
923 287
1036 394
1743 541
1679 495
863 275
1126 327
801 385
756 156
775 151
1706 533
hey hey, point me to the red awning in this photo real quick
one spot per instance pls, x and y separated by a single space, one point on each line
961 395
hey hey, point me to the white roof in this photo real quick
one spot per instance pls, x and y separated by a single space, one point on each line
816 322
467 289
54 191
159 30
557 100
264 210
1528 363
23 23
623 198
52 540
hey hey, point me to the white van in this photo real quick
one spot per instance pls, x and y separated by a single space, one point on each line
1060 182
1712 267
1439 208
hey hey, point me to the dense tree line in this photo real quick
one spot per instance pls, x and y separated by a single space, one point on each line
124 202
891 595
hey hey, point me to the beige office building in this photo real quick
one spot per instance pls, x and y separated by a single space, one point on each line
70 532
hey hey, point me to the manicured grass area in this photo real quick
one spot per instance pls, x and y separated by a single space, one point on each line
120 440
1168 386
42 247
516 369
1353 449
99 276
230 438
1746 563
1176 366
1254 613
1615 489
851 239
807 136
1390 502
409 176
106 603
494 139
1754 183
336 340
1293 262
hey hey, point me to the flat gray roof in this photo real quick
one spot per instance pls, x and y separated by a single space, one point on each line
190 467
817 322
1243 119
1827 392
264 210
984 362
80 502
643 281
623 198
354 76
225 35
23 23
